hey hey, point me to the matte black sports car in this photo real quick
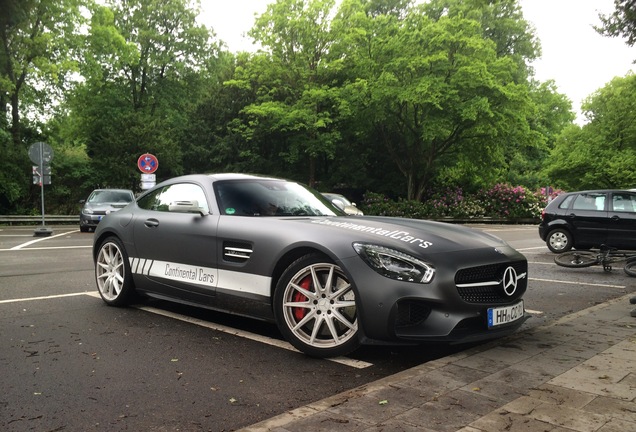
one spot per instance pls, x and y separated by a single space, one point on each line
275 250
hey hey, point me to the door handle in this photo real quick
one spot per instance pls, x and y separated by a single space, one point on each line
151 223
615 218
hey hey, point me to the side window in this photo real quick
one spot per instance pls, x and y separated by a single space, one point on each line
566 202
590 201
161 199
149 202
624 202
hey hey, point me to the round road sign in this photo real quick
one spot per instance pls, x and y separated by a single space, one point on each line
147 163
40 153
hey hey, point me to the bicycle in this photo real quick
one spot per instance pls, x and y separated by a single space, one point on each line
606 256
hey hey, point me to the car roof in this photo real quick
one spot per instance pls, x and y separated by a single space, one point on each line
239 176
112 190
220 177
598 191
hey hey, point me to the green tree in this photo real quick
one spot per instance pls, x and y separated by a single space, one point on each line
297 109
620 23
436 92
551 115
146 66
37 42
603 152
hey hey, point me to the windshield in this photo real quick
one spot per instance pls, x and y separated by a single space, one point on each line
339 198
106 196
270 198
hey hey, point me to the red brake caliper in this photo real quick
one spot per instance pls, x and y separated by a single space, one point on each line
299 313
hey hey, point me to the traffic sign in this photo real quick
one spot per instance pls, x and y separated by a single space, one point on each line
147 163
40 153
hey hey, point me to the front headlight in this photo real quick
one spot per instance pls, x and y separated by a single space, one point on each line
395 264
87 211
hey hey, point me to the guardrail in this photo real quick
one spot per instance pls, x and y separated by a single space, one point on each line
33 220
74 219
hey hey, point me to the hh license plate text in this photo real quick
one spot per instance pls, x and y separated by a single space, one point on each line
505 315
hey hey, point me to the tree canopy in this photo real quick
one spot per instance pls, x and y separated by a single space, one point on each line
395 96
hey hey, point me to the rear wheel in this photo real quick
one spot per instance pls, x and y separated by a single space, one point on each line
576 259
559 240
315 307
112 273
630 267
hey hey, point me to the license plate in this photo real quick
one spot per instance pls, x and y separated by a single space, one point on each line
505 315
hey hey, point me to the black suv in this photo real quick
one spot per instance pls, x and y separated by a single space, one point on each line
588 219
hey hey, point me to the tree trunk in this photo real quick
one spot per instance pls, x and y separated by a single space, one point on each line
15 120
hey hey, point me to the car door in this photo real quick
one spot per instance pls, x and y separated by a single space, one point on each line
588 217
177 253
622 220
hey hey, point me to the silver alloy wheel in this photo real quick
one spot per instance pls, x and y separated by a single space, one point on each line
558 240
319 306
110 271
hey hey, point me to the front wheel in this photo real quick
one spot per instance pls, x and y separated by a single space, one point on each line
315 308
576 259
630 267
112 273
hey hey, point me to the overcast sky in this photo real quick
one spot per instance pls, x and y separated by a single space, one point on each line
577 58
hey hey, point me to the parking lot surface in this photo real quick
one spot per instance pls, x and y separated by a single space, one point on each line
73 363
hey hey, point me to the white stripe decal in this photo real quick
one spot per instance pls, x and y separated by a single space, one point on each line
245 282
203 276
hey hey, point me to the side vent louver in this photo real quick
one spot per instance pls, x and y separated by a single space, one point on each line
237 252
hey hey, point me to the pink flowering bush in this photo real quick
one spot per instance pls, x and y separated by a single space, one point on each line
500 201
506 201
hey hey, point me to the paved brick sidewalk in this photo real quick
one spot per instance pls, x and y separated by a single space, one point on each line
576 374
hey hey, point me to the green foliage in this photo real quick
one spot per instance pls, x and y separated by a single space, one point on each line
394 96
622 22
500 201
602 153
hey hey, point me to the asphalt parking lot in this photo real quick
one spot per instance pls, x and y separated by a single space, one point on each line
72 363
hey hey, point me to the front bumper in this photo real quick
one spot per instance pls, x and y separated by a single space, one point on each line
90 220
444 310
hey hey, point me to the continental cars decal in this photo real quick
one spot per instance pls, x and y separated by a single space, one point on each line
203 276
176 272
395 234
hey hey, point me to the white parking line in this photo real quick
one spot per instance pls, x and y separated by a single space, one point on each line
46 248
358 364
44 297
534 312
578 283
18 247
247 335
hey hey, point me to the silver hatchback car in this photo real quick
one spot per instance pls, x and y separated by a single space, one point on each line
100 203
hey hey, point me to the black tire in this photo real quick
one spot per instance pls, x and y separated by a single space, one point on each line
630 267
315 308
559 240
577 259
83 228
112 273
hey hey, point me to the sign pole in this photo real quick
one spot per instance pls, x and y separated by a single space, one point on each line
41 153
42 181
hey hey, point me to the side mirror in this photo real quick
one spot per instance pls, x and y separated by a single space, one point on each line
186 207
338 203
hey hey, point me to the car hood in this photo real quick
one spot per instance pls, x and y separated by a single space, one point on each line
420 236
106 206
352 210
